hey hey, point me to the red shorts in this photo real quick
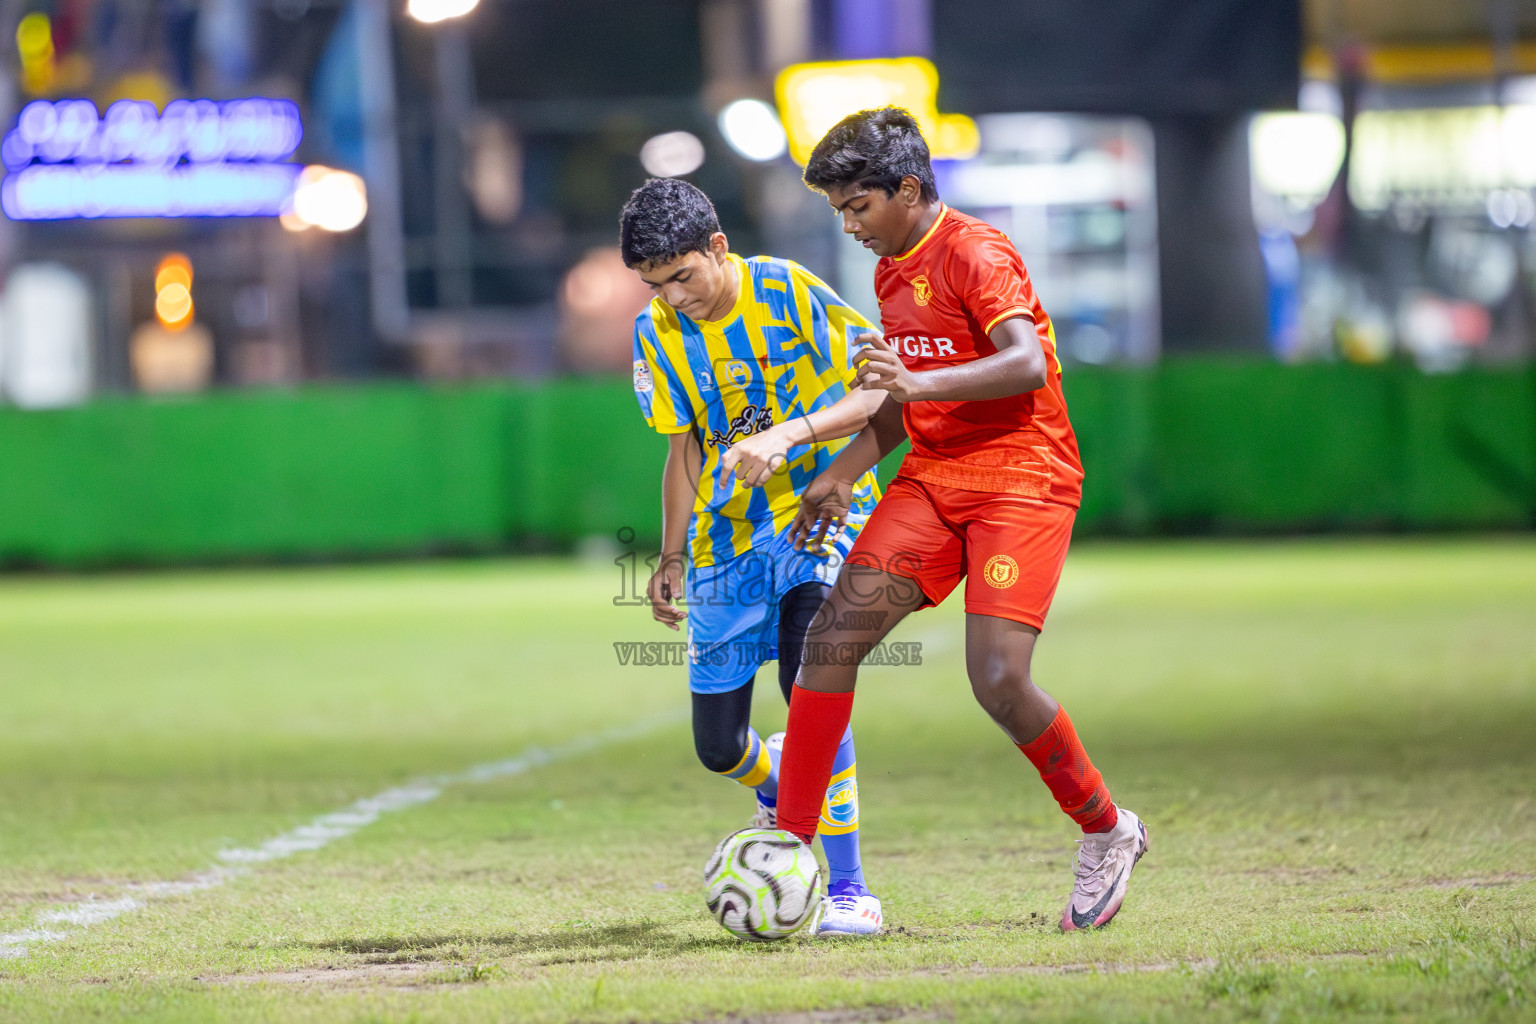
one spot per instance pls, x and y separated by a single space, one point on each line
1010 548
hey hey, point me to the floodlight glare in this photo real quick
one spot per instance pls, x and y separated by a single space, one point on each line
671 154
1296 154
431 11
752 129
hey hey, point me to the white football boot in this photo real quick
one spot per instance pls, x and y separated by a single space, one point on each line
1104 864
767 815
849 909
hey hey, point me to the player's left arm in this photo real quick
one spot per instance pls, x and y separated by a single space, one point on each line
834 329
1017 367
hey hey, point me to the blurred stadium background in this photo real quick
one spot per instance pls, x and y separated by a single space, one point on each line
335 278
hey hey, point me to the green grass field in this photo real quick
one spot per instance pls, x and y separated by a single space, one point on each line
1333 744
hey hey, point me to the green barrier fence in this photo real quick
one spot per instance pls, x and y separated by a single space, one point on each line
395 469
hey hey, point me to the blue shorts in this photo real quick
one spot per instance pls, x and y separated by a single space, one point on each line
733 607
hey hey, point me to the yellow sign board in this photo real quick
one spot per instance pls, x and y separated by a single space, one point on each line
814 97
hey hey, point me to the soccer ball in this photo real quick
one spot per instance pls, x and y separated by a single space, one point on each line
762 884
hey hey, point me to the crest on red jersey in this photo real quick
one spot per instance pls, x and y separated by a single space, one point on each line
921 290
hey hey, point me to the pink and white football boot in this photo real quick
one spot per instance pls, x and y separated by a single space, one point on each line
1104 863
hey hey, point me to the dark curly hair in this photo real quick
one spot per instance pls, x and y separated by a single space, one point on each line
663 219
873 148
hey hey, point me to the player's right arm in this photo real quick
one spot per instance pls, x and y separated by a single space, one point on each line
667 410
666 584
825 502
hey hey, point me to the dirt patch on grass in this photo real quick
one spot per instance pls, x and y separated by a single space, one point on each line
854 1016
1484 882
364 974
1150 967
78 890
1053 969
1311 874
626 941
398 976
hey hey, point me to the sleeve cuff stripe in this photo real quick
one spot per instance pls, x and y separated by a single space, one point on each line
1015 311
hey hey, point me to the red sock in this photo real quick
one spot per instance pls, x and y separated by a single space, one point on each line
817 722
1069 775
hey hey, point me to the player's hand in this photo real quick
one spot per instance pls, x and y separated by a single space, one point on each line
755 459
823 510
665 587
879 368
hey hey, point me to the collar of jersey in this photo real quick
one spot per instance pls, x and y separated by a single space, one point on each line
943 211
743 294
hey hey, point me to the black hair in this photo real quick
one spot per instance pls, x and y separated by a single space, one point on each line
664 219
873 148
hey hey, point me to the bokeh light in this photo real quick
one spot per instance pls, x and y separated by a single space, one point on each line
598 302
173 306
291 221
175 268
1296 154
34 45
431 11
329 199
34 36
671 154
752 129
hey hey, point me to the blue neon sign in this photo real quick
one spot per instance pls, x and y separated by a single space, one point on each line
199 158
200 190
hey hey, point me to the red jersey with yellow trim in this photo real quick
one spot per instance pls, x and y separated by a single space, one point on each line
938 302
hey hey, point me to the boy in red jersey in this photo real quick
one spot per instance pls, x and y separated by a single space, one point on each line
988 492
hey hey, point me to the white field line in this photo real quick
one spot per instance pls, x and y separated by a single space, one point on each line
320 832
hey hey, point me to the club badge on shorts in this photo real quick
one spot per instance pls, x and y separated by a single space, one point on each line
1001 571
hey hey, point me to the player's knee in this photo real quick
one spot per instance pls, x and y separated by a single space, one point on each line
719 751
823 622
998 685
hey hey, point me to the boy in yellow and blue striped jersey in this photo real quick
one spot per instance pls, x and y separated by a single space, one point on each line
747 367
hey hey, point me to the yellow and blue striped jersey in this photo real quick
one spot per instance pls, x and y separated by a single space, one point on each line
784 350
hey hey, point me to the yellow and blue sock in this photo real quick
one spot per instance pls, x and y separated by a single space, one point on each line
757 769
839 825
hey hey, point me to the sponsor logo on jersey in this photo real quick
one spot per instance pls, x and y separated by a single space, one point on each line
643 382
922 291
706 382
921 345
751 420
1001 571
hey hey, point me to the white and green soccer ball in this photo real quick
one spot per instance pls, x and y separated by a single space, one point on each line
762 884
